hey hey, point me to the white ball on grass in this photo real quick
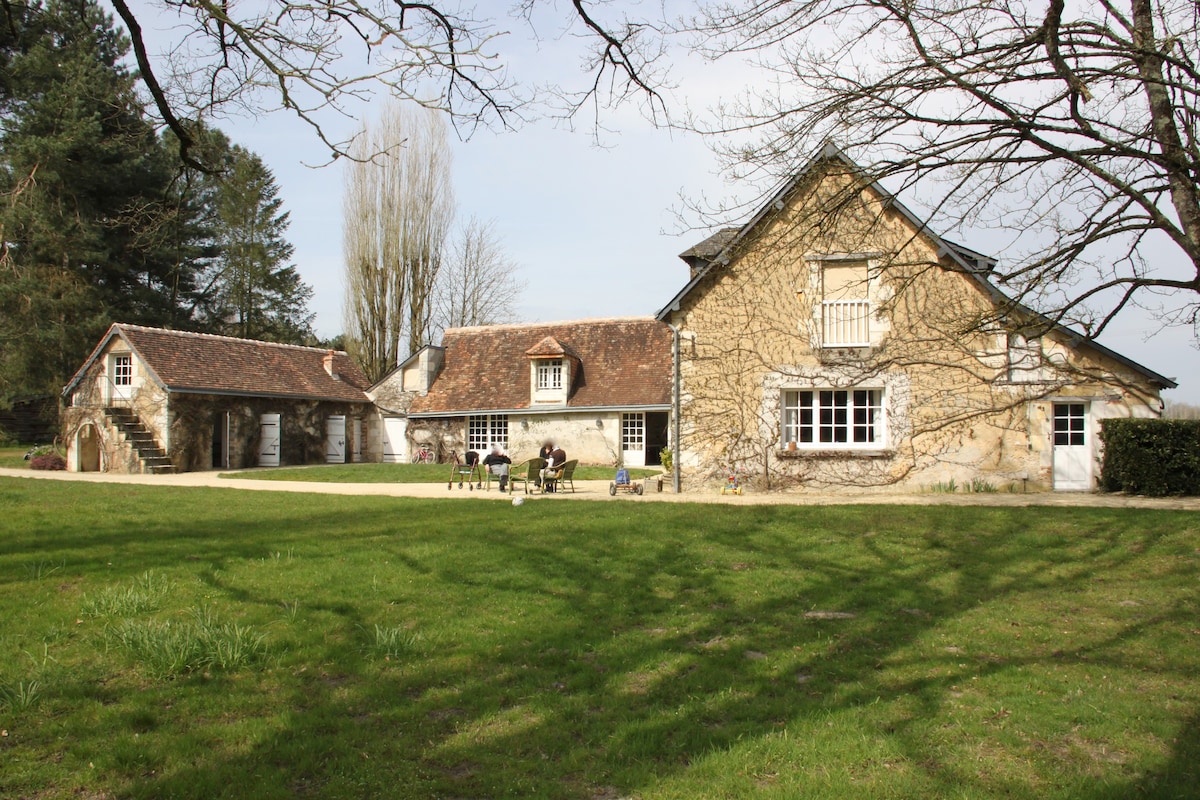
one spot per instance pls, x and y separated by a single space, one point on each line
518 501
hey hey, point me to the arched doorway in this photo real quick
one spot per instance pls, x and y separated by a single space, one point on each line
87 445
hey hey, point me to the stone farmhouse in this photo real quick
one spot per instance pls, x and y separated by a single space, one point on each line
832 342
599 387
152 400
835 341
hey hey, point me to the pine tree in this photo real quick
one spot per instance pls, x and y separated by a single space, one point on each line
89 231
258 294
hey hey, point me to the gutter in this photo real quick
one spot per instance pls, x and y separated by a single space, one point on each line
675 404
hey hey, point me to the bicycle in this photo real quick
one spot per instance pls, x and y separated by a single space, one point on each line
423 455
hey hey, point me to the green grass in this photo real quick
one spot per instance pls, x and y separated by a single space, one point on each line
13 456
404 473
401 648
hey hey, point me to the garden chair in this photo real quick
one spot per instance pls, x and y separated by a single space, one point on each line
567 476
526 472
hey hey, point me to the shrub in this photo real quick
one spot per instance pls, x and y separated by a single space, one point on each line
1151 456
48 461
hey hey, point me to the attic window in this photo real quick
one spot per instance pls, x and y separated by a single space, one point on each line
1024 358
549 374
845 310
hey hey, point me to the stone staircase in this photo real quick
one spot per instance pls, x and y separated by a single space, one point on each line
154 459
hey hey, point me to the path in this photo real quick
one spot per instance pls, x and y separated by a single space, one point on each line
598 490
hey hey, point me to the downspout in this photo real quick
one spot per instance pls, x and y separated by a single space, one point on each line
675 404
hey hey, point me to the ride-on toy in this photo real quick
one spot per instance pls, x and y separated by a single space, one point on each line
733 484
622 483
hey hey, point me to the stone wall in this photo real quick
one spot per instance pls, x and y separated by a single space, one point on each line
591 437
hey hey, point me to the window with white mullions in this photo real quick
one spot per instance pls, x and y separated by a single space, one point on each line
485 430
549 374
1070 424
833 418
633 431
123 370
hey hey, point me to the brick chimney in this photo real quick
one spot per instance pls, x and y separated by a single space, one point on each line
328 363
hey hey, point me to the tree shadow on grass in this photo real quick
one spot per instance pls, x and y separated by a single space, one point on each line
584 656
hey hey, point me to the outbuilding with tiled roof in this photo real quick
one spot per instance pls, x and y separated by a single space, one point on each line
150 399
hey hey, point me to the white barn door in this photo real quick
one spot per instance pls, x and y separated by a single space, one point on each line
335 440
395 440
1072 448
268 440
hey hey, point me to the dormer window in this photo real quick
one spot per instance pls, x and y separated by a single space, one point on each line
550 374
551 369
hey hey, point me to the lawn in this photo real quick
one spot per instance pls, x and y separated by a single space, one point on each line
202 643
13 456
403 473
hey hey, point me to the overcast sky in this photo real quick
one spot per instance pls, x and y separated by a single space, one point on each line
595 231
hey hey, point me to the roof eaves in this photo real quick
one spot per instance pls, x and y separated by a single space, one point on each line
955 253
828 152
273 395
526 412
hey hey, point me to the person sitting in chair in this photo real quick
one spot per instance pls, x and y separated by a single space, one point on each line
497 464
544 455
554 465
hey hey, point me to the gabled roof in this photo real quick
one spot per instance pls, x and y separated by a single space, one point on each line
623 363
200 363
976 265
548 347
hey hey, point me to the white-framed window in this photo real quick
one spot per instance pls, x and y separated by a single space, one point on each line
845 309
633 431
1024 358
1070 424
485 430
123 370
550 374
833 418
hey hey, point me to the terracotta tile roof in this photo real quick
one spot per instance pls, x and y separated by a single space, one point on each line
622 363
546 347
196 362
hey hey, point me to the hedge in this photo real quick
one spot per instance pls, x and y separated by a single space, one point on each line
1151 456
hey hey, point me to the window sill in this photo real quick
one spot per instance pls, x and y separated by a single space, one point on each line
844 352
827 453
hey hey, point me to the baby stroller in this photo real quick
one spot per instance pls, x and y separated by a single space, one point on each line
624 484
469 467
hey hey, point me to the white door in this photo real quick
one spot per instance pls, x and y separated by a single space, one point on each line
335 440
268 440
357 442
1072 448
395 440
633 440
